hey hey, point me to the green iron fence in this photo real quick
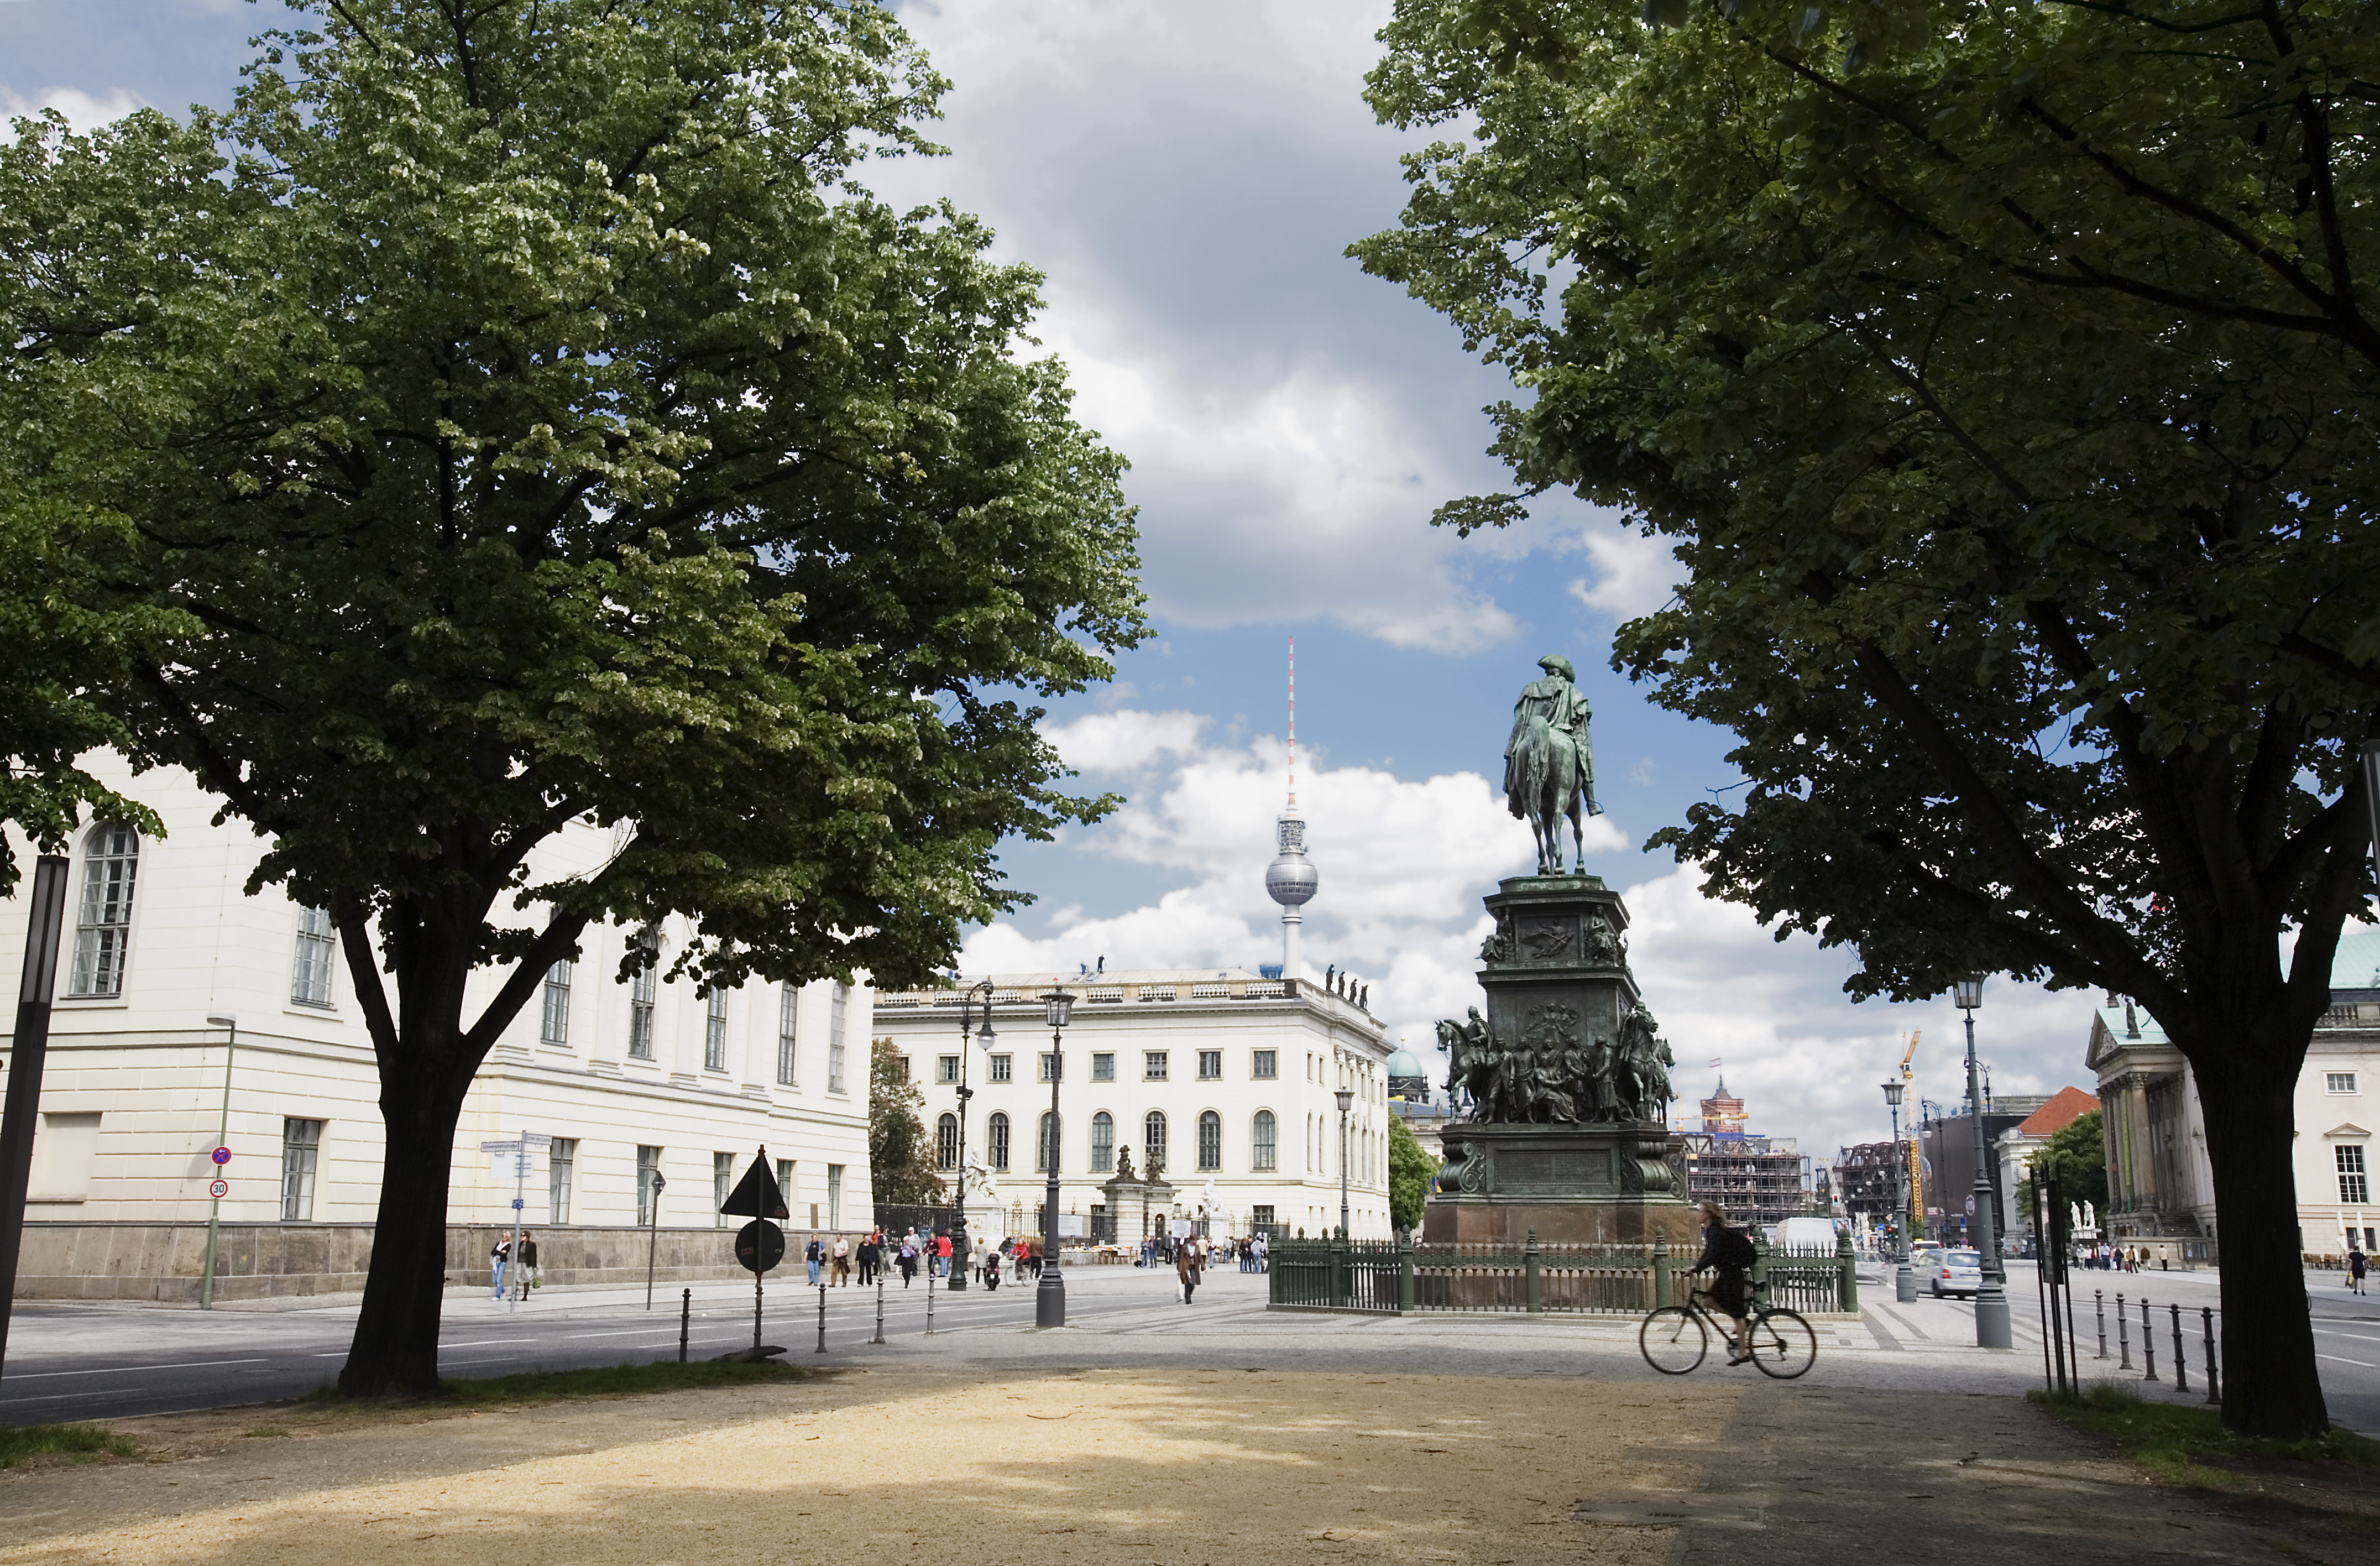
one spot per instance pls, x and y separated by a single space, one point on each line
1399 1276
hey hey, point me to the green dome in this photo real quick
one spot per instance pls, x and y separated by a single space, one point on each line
1404 1063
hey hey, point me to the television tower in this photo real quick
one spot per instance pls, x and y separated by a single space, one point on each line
1290 879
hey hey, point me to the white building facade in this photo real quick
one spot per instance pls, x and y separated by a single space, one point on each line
1226 1076
2160 1184
626 1078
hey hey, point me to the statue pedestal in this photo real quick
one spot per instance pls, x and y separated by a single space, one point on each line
1585 1184
1577 1144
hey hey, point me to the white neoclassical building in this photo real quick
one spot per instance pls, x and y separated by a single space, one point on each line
626 1078
1226 1077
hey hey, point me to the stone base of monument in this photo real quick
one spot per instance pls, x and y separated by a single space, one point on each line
1575 1185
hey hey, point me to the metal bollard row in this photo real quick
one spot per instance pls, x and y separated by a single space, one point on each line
2099 1309
684 1322
2180 1360
2214 1381
2123 1336
880 1310
2148 1340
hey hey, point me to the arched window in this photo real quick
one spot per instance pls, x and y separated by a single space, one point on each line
997 1135
111 860
1261 1141
1045 1152
1102 1141
946 1142
1152 1139
1211 1142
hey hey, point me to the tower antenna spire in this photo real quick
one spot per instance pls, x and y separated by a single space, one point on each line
1293 726
1290 879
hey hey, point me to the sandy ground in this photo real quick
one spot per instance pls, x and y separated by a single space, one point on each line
1183 1468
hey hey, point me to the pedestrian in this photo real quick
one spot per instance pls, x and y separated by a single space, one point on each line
871 1257
813 1254
530 1279
908 1259
1264 1246
843 1261
2357 1265
942 1254
496 1260
1186 1267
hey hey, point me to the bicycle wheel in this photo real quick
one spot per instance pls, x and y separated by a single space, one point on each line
1673 1339
1782 1344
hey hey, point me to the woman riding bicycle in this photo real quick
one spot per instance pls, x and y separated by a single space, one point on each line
1727 1253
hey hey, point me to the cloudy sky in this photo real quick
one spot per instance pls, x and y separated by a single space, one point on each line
1188 178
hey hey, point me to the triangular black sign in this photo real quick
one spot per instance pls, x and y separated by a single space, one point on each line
756 1195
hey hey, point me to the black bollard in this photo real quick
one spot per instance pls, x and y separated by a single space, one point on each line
2148 1340
2214 1378
2180 1360
880 1308
2099 1309
684 1322
930 1297
2123 1336
821 1348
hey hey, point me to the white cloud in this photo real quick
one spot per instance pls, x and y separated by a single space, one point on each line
1404 864
82 109
1633 575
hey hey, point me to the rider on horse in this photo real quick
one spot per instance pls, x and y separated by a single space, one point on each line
1554 759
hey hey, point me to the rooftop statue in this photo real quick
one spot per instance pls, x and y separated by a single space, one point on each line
1550 763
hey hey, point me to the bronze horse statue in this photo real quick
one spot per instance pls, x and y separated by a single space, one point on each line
1549 771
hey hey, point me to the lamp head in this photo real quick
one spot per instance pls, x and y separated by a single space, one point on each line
1060 1006
1346 1097
1967 993
222 1019
984 1035
1892 1093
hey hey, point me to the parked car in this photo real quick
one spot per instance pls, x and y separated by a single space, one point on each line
1957 1272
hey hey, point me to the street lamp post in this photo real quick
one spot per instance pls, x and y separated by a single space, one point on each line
223 1133
957 1283
1346 1097
1991 1292
1904 1282
1049 1298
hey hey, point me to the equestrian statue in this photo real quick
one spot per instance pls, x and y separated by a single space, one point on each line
1549 764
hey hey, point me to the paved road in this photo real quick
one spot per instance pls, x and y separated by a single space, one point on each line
76 1362
83 1361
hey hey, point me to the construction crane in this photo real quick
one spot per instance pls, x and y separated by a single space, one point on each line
1916 1163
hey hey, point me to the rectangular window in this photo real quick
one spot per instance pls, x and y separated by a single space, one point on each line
901 1064
1102 1067
2340 1081
62 1154
2354 1188
722 1181
309 968
837 1013
946 1068
553 1021
1262 1151
785 1182
649 1164
1153 1066
788 1010
1263 1065
641 1009
834 1195
996 1136
1102 1143
1002 1067
561 1161
1210 1065
301 1146
103 921
714 1030
1263 1218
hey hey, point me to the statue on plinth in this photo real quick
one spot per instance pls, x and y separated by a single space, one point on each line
1550 763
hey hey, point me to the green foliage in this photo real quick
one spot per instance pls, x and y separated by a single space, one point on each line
1410 1171
900 1157
2076 1157
2180 1441
76 1442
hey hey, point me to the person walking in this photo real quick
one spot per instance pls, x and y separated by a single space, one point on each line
908 1260
2357 1265
529 1278
1186 1267
943 1255
813 1254
871 1257
496 1260
843 1261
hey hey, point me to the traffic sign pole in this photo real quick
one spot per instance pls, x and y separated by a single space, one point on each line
222 1154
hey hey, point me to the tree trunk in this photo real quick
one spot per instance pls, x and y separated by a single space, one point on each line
395 1345
2271 1386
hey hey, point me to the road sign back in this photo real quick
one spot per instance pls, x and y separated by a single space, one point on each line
760 1245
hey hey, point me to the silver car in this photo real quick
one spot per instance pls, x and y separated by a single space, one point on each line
1957 1272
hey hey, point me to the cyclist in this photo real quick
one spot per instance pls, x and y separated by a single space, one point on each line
1727 1253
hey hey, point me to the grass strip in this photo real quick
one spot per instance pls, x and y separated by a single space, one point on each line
76 1443
2171 1439
596 1381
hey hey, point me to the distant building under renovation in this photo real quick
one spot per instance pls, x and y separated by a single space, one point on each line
1755 1179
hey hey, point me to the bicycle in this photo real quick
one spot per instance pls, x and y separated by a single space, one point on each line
1674 1339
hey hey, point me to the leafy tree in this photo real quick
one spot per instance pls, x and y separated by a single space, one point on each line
62 645
1410 1171
2076 1157
2003 377
900 1159
543 424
